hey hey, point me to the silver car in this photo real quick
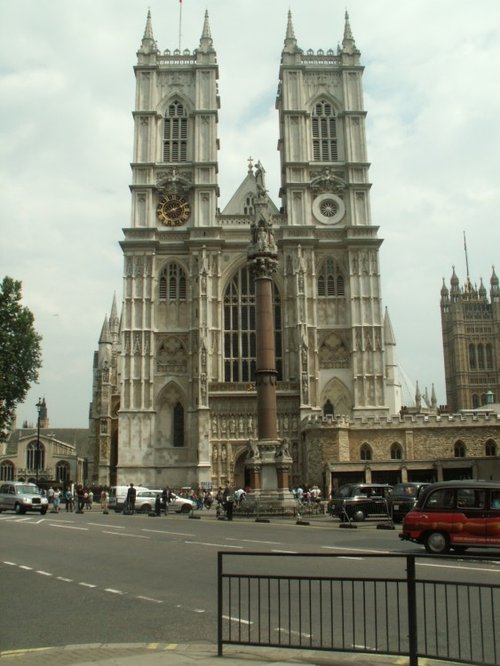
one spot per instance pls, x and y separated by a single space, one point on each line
21 497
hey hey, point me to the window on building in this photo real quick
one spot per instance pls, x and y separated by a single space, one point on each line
239 328
249 207
175 133
490 448
330 279
472 357
178 424
172 286
489 356
480 356
324 132
365 452
7 471
328 408
35 456
396 451
475 401
62 471
459 450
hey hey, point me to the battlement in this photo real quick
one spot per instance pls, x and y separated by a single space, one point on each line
397 421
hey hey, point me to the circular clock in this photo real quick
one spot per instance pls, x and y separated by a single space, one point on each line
328 208
173 210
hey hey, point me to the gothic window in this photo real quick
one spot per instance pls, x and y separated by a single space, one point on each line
365 452
175 133
324 132
62 471
480 356
249 207
472 357
330 279
178 425
489 356
328 408
459 450
239 328
35 456
396 451
490 448
172 283
475 401
6 471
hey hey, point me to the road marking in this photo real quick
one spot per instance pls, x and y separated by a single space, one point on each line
11 564
455 566
292 631
134 536
167 532
359 550
65 580
269 543
155 601
115 527
236 619
44 573
113 591
23 566
217 545
69 527
87 585
277 550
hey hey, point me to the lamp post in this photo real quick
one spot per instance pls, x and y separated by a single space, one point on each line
38 405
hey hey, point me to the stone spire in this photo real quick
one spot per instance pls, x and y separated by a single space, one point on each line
148 44
206 41
105 337
290 44
348 43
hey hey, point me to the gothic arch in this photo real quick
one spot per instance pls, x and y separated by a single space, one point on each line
171 416
339 395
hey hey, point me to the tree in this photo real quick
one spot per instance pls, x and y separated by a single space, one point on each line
20 351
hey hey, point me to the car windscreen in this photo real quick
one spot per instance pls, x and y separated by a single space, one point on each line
403 490
28 490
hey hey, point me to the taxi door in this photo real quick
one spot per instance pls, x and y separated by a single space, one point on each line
471 517
493 520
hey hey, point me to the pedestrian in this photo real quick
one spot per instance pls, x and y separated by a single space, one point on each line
56 500
80 499
89 500
228 502
130 500
68 496
104 501
158 504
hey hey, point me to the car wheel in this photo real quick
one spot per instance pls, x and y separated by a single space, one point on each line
19 509
186 508
359 515
459 550
43 512
437 543
145 508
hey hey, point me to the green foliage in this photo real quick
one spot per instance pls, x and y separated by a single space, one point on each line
20 351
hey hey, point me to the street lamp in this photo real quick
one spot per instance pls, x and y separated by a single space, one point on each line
38 405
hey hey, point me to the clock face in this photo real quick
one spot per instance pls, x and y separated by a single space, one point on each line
173 210
328 208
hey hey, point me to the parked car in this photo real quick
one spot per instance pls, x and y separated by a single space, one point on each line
181 504
118 495
357 501
457 515
21 497
404 496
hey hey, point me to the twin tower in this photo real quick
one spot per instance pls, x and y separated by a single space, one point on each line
175 400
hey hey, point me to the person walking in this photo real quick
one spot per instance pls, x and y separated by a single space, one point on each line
56 500
104 501
131 495
68 496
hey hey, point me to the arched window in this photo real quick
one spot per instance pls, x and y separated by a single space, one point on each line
365 452
489 356
35 456
175 133
475 401
324 132
472 357
62 471
7 471
249 207
490 448
459 449
328 408
330 279
178 424
396 451
239 328
172 285
480 356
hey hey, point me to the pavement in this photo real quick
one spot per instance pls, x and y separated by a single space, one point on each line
187 654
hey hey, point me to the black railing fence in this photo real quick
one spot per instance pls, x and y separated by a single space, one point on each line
265 599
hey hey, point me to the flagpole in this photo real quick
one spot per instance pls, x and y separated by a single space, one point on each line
180 22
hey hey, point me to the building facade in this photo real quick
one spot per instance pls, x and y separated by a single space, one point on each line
174 399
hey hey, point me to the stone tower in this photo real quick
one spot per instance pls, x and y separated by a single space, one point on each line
187 365
470 324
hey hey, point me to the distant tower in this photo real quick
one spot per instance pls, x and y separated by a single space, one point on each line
470 328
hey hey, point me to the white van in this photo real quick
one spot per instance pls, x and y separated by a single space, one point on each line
118 495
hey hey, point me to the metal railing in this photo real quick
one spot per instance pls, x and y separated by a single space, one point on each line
272 603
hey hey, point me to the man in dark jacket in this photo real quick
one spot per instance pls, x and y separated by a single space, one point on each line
130 501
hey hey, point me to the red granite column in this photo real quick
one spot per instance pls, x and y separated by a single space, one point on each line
265 373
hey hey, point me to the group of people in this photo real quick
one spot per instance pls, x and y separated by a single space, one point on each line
307 495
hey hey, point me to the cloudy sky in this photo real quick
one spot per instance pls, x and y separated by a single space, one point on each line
66 95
